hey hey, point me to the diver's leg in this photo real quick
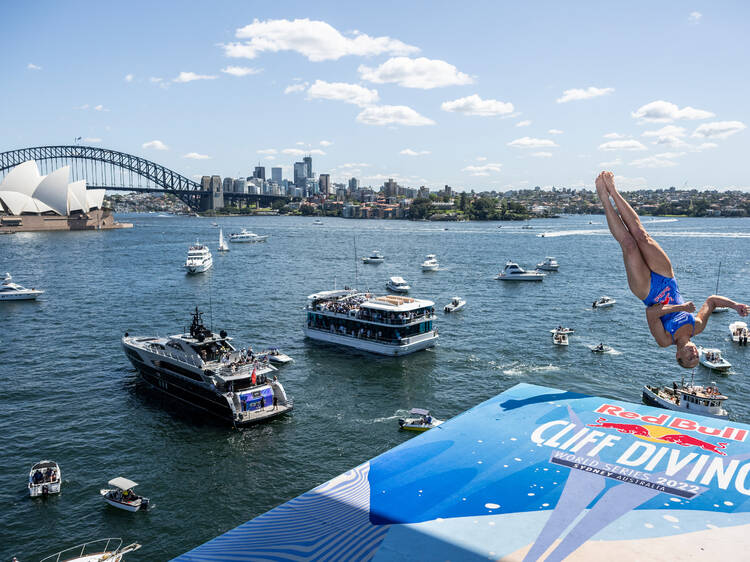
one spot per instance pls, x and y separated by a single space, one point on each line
638 272
655 256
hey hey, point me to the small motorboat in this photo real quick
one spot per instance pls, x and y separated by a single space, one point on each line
430 264
110 550
710 357
559 338
704 401
456 304
513 272
603 302
121 495
44 478
548 264
223 246
275 356
375 257
601 348
421 421
246 236
10 291
739 332
562 330
397 285
318 222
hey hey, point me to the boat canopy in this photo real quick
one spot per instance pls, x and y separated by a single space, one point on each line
122 483
398 280
396 303
419 412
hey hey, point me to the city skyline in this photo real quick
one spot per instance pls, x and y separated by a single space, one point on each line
501 98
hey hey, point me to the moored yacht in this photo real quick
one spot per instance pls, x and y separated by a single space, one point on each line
375 257
199 259
245 235
513 272
548 264
387 325
430 264
704 401
203 369
10 291
397 285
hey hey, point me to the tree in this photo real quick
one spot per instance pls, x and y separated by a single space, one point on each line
483 209
462 201
307 210
420 208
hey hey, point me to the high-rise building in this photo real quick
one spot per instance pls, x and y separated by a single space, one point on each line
300 174
228 185
260 172
276 175
325 184
353 184
390 188
308 166
240 185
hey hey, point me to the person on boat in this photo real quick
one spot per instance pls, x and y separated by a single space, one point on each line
651 278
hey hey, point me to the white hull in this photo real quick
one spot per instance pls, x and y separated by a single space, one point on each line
398 289
248 240
27 295
743 336
36 490
521 277
430 267
412 344
605 305
193 269
451 308
547 268
653 398
126 507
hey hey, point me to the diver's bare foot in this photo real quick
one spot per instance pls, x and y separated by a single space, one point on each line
608 178
601 187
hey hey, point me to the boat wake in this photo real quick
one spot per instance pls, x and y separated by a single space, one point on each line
517 370
661 220
387 418
587 232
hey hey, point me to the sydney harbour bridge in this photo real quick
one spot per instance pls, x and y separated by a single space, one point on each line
118 171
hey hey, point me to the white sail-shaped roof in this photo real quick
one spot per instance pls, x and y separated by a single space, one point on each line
77 197
95 198
53 190
24 178
18 202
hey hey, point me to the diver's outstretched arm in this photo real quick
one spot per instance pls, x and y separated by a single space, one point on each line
701 319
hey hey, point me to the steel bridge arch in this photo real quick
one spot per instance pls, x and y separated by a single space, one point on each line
186 189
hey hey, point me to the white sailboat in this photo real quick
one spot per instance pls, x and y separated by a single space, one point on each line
223 246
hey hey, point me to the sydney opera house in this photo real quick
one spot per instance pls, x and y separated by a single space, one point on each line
30 201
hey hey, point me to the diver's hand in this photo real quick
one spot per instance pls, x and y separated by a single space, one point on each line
741 309
688 306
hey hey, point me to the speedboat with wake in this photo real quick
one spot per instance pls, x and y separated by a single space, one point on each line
456 304
122 496
513 272
420 420
110 549
710 357
548 264
603 302
199 259
375 257
430 264
601 348
10 291
739 332
246 236
703 401
203 369
44 478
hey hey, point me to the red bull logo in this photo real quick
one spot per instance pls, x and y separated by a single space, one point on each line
661 434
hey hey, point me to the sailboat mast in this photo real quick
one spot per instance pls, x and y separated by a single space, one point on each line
718 275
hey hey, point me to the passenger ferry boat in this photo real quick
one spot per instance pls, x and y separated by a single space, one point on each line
704 401
387 325
203 369
199 259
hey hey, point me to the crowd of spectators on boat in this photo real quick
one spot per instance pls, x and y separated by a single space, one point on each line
741 334
345 306
41 477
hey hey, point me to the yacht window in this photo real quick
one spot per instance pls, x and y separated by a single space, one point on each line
174 345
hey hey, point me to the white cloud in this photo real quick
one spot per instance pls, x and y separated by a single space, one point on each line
576 94
393 115
316 40
84 106
155 144
129 77
32 66
719 129
706 146
555 132
295 88
192 76
622 145
625 182
481 158
91 139
300 143
661 111
155 80
614 136
100 107
615 162
474 105
529 142
542 154
325 143
267 151
653 162
341 91
523 123
240 70
350 165
421 73
196 156
695 17
410 152
483 170
300 152
667 130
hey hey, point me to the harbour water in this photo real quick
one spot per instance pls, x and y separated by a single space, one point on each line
69 393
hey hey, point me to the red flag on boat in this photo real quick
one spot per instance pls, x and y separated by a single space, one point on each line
252 377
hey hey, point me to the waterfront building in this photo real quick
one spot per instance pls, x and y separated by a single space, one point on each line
300 174
324 184
308 166
423 193
353 184
390 188
312 187
260 172
276 175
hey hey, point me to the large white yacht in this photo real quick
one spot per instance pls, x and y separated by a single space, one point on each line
430 264
246 236
387 325
397 285
199 259
704 401
513 272
10 291
203 369
110 549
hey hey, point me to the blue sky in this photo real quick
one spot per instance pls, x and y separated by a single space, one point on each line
478 95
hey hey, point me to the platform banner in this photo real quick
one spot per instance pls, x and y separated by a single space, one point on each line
534 473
